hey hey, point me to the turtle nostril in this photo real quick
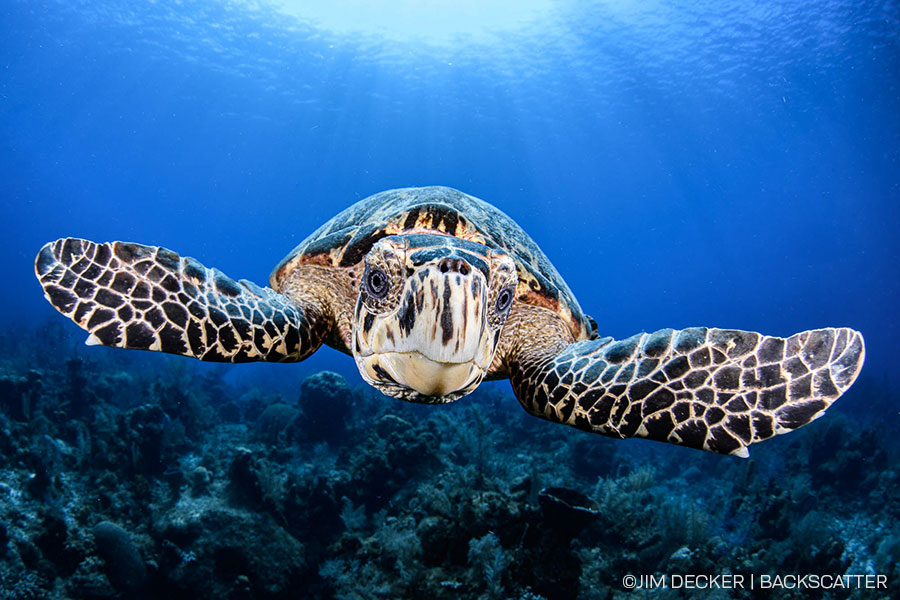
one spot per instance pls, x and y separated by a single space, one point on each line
447 265
454 265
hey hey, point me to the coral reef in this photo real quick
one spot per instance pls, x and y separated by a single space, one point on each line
160 478
125 567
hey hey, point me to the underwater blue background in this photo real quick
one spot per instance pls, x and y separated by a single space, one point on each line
730 164
714 163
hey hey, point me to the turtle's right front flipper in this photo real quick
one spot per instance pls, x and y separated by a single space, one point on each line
149 298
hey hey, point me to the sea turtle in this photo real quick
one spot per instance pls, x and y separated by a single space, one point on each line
431 291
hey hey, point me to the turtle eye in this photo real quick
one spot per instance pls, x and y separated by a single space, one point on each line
504 299
376 283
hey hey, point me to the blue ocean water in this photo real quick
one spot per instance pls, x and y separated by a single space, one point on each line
722 163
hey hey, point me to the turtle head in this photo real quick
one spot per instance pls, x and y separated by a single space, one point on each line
429 313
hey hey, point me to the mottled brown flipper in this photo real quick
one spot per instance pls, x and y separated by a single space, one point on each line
710 389
144 297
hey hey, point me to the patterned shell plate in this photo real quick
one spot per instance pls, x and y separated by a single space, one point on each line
345 239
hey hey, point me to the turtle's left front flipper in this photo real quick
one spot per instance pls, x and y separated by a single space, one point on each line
149 298
711 389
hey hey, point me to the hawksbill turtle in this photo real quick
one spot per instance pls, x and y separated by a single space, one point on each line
432 291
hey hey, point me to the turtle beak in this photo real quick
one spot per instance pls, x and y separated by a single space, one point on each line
429 377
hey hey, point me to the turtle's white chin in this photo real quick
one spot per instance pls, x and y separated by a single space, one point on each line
426 376
429 377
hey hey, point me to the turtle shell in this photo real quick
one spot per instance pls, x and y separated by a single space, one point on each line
345 239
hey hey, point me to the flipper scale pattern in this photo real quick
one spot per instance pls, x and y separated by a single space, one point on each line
712 389
145 297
